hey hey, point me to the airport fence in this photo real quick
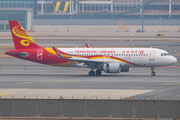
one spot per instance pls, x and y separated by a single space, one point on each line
89 108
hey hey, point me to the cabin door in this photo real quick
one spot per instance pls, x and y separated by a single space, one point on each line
152 55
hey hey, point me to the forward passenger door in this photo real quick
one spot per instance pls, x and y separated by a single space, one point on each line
152 55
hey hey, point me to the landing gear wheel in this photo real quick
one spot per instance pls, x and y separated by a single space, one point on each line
91 73
153 73
98 72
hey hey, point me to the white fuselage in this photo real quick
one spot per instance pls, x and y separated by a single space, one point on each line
127 57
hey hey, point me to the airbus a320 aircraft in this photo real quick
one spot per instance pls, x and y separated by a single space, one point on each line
109 60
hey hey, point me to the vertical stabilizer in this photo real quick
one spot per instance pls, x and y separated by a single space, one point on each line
20 37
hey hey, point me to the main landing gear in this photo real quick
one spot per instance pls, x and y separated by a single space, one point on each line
98 72
153 72
92 73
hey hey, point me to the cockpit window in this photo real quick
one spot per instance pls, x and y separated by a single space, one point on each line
165 54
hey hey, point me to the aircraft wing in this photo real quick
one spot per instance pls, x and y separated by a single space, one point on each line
95 63
58 54
86 60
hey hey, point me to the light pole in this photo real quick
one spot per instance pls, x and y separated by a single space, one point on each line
142 16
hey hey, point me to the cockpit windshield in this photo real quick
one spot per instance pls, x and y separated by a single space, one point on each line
165 54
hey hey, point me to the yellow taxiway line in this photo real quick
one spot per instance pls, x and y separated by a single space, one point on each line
113 38
6 94
76 38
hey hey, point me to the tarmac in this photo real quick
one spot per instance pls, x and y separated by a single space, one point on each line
24 79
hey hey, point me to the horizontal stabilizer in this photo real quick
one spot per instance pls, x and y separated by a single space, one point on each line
23 54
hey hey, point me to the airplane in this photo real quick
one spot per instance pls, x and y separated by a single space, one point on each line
109 60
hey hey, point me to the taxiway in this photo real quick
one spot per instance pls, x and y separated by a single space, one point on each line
19 78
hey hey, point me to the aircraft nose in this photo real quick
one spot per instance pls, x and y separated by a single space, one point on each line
174 60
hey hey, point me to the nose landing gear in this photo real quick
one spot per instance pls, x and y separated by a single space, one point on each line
153 72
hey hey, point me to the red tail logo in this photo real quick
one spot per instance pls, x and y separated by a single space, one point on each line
20 37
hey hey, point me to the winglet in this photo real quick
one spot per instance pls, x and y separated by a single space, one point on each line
87 45
57 53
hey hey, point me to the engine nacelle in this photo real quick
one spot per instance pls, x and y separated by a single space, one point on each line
125 69
112 68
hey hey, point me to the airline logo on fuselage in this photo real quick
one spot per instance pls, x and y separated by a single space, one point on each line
141 52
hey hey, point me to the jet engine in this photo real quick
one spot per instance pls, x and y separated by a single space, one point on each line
112 68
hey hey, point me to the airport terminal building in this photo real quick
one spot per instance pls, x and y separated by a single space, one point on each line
20 10
110 8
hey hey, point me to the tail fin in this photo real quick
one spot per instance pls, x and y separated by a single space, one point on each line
20 37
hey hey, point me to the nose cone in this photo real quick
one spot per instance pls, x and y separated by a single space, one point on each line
174 60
